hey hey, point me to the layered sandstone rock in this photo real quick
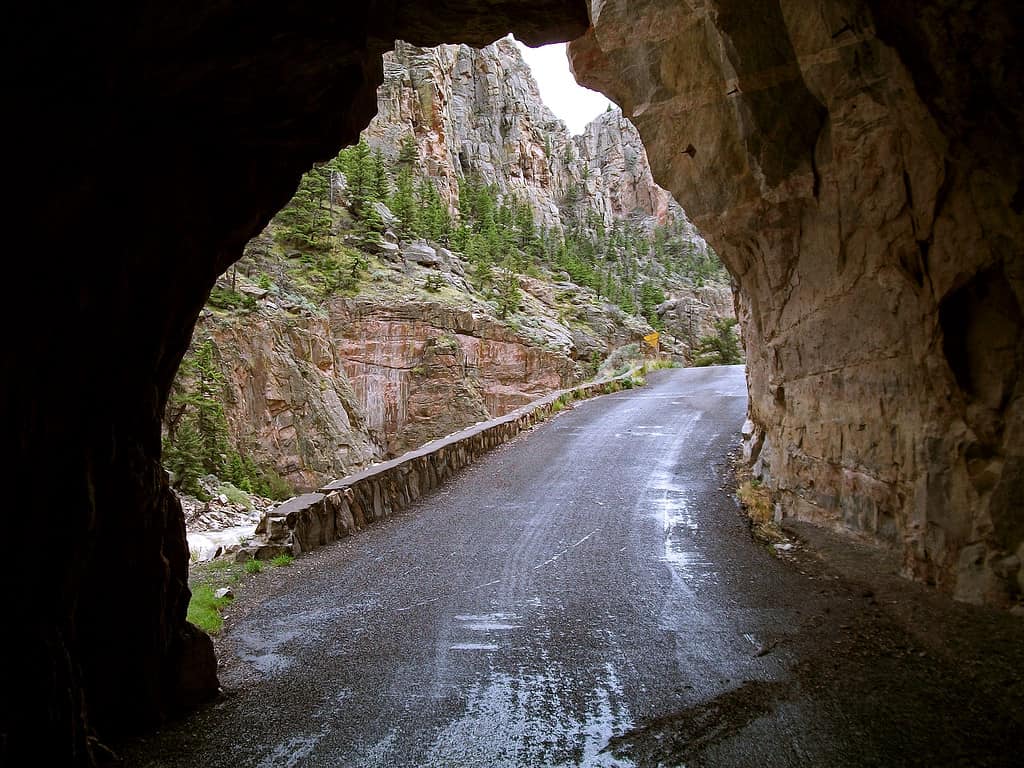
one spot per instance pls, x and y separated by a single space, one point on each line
856 165
426 370
288 403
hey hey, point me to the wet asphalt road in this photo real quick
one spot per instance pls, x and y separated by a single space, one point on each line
586 595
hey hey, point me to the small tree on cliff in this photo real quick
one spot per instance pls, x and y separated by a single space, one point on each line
381 178
359 172
509 294
720 348
403 204
435 224
408 154
305 222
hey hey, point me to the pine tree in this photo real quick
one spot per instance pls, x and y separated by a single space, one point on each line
210 422
524 225
197 433
408 153
509 294
722 347
481 273
305 221
403 204
381 179
436 222
359 171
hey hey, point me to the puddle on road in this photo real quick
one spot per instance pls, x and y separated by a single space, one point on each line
535 719
488 622
263 646
680 524
292 752
260 650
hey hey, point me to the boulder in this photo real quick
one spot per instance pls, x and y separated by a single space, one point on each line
385 214
420 253
253 290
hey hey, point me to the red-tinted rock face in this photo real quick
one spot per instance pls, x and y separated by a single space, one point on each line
421 371
288 403
870 210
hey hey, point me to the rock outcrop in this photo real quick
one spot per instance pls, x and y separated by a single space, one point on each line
478 113
288 403
689 316
857 167
424 370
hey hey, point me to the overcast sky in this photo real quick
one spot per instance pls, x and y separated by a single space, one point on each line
575 105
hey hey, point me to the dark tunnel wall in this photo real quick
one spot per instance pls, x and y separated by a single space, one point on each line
147 143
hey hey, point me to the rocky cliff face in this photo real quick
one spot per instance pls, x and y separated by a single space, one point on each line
478 112
288 402
317 392
425 369
855 166
690 315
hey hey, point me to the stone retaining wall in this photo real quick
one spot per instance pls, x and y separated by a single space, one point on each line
347 505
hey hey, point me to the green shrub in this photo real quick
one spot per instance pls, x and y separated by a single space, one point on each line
720 348
275 487
248 476
433 283
225 298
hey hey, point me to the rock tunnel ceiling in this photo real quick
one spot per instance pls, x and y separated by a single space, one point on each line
856 164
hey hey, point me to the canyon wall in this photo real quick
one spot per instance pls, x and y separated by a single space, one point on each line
426 370
478 113
288 403
857 167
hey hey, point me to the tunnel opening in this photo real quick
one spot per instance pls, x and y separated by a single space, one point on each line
812 223
412 288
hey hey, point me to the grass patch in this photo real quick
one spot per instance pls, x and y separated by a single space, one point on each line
253 566
660 363
227 299
755 500
235 495
757 504
281 560
204 609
